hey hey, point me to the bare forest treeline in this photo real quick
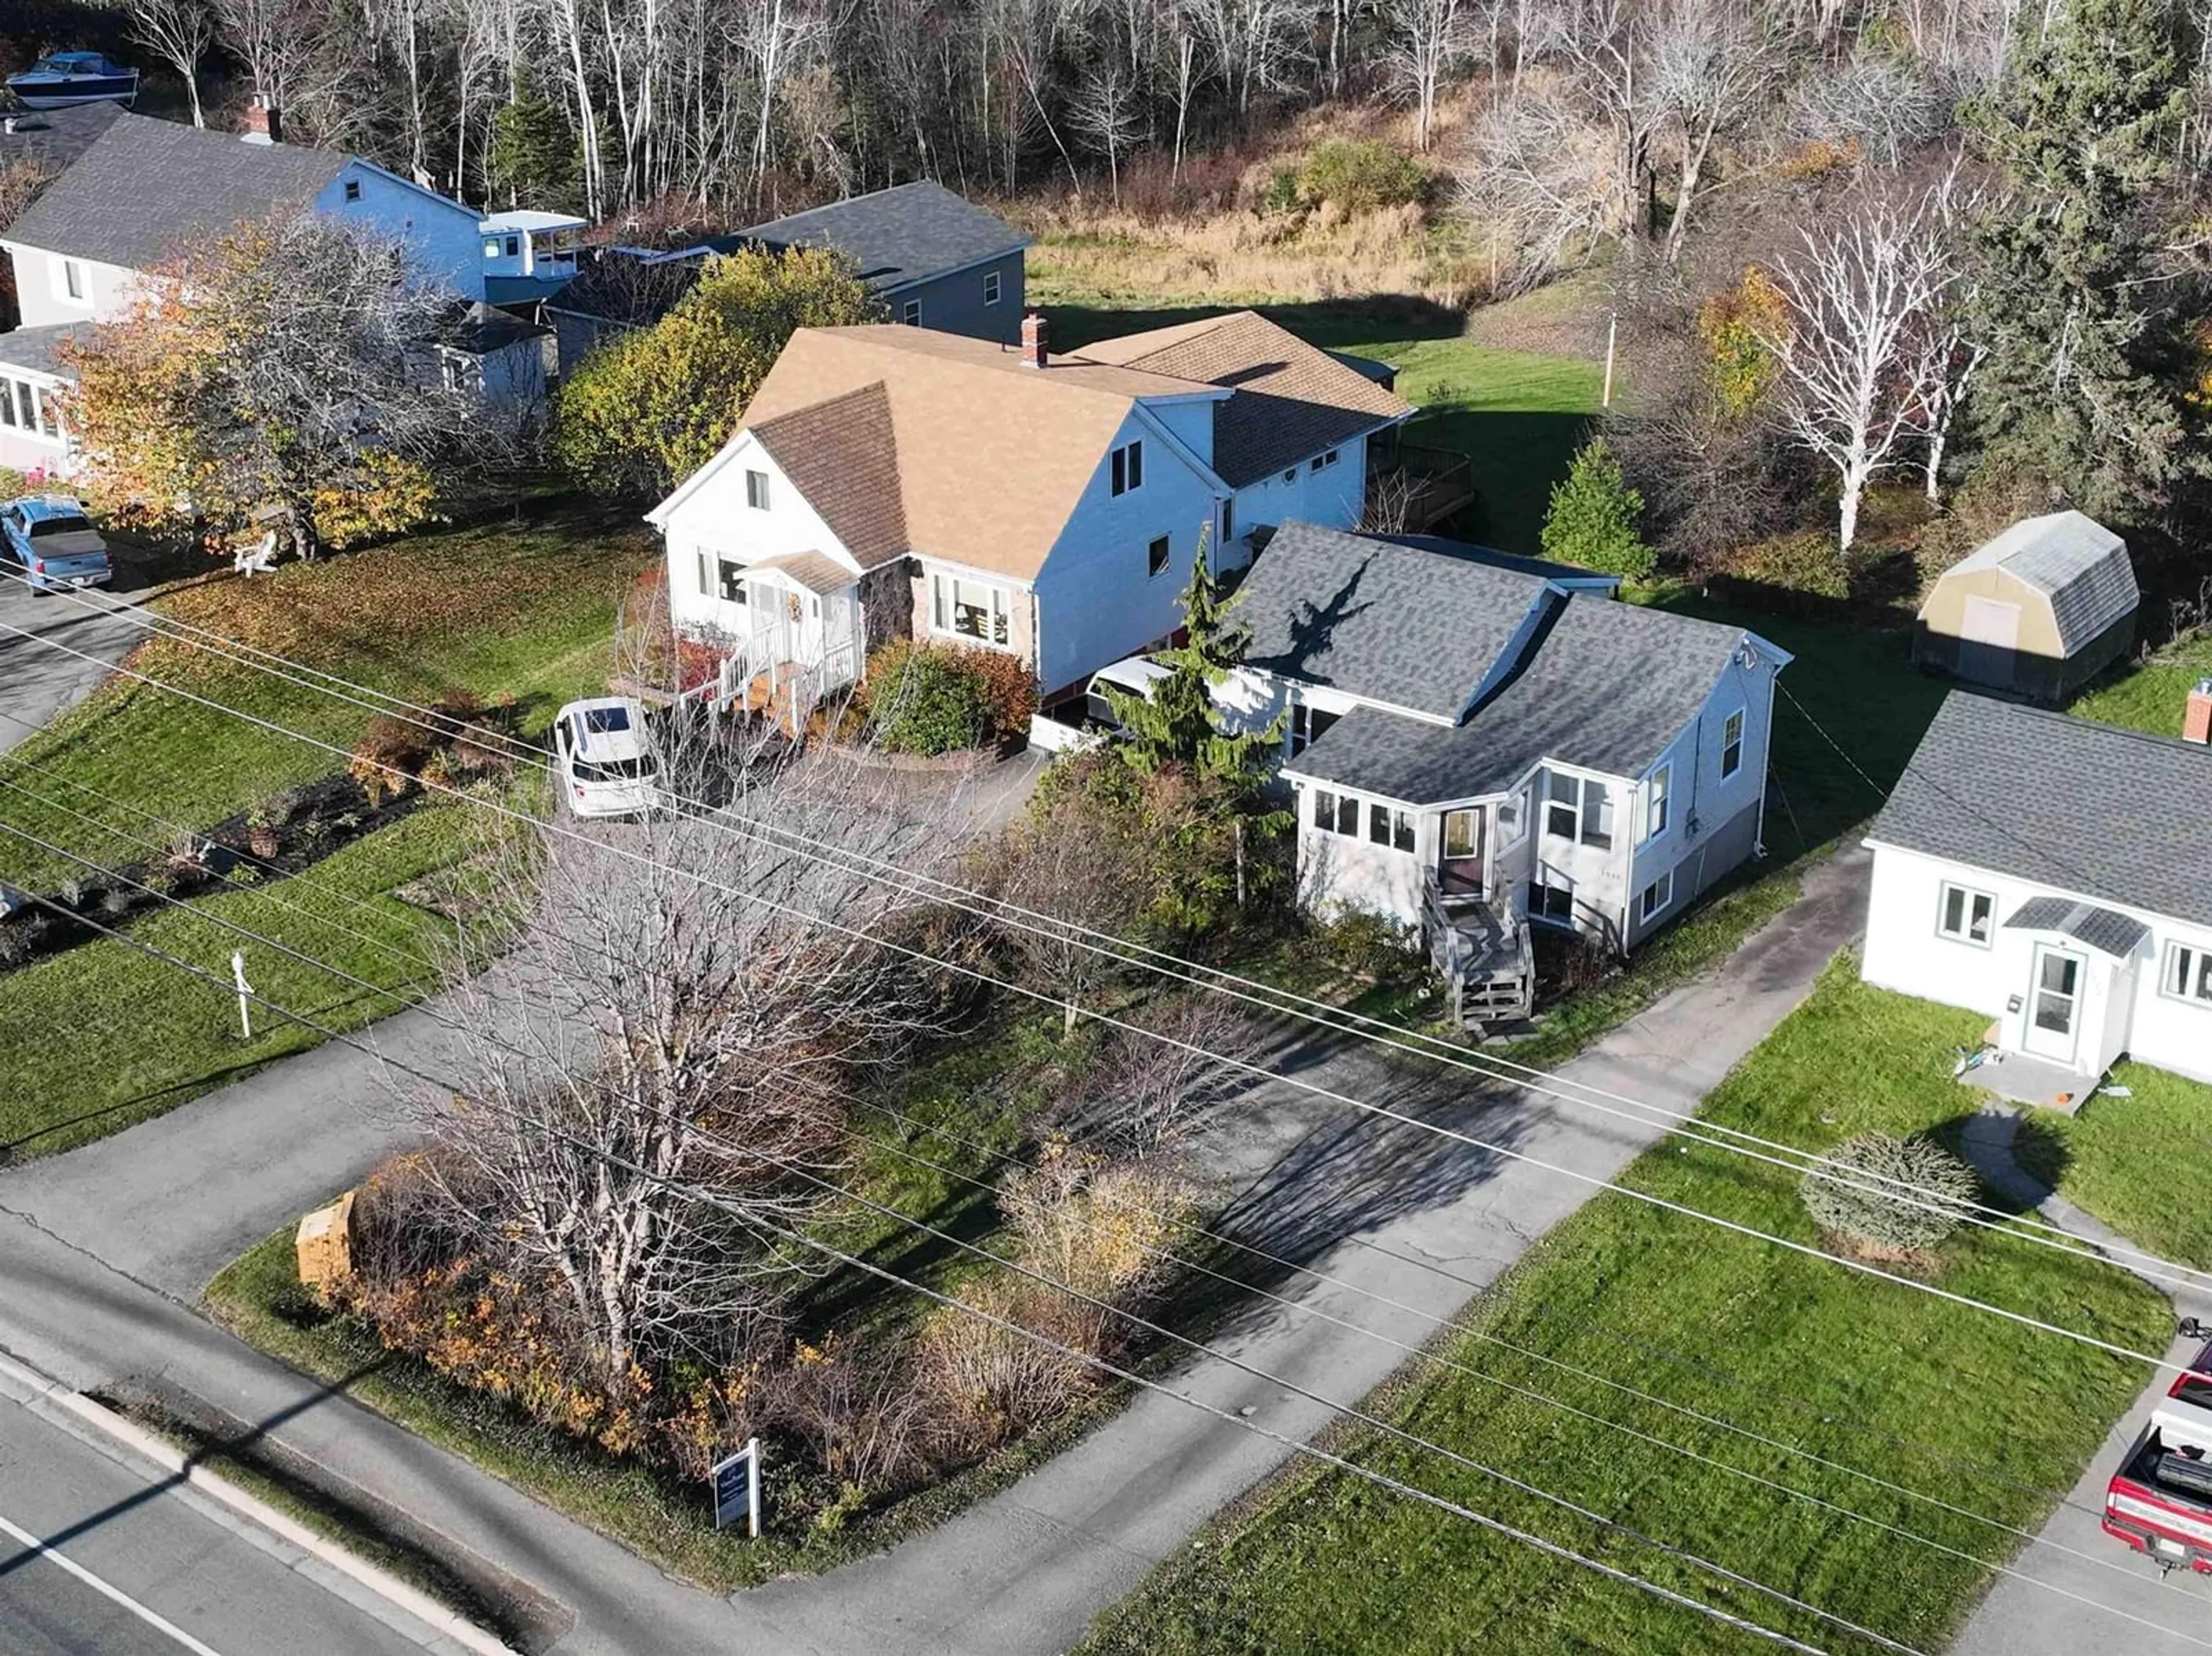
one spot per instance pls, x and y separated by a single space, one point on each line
1589 114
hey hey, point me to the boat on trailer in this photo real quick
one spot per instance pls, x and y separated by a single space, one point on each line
67 79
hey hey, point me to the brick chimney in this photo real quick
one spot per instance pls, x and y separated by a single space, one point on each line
262 123
1033 340
2197 719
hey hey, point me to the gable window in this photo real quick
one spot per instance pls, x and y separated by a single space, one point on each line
1155 557
2187 974
1307 726
1965 916
1291 476
756 490
353 190
706 573
1128 467
491 249
1228 521
734 582
73 281
910 314
1656 896
1323 461
1336 813
1732 744
971 608
1552 897
990 287
1659 801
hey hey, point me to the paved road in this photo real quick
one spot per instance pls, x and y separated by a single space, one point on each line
153 1570
37 683
2100 1595
102 1252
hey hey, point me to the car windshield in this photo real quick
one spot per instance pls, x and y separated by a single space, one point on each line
62 525
600 720
613 770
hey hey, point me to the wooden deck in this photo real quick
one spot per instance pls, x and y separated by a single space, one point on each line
1481 950
1436 483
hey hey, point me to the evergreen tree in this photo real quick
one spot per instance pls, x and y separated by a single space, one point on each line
1176 724
534 158
1591 522
2085 382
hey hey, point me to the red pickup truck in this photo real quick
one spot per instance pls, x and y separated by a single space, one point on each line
2160 1501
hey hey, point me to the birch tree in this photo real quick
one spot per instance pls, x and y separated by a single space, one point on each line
180 31
1428 39
1863 286
1713 63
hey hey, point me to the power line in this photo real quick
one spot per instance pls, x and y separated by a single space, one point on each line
1742 1625
834 1189
1869 1181
1327 1095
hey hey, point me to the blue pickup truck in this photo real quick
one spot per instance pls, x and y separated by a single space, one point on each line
52 544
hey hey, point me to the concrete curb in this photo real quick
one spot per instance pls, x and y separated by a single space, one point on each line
38 1389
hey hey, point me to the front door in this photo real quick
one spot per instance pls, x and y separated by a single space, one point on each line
1989 635
1459 854
2054 1004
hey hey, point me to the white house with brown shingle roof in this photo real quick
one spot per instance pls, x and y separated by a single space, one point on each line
890 481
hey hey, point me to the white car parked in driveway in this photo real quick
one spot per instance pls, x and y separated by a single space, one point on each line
605 763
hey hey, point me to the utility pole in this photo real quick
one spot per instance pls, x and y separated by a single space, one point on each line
1612 332
245 993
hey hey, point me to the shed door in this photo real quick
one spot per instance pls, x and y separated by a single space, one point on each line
1989 633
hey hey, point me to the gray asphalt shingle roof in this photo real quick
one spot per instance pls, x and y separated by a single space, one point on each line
908 233
2101 928
1605 686
2076 562
1386 624
39 348
144 188
2113 815
55 137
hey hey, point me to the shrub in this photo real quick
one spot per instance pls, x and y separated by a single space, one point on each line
1592 520
1282 195
986 1385
389 755
22 938
1808 564
932 699
1942 1187
1361 175
1010 689
1371 943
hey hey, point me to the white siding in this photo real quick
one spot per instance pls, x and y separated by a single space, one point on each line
1192 422
1333 497
2124 1010
1096 603
42 293
715 520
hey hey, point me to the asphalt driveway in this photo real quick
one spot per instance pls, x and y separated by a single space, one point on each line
37 683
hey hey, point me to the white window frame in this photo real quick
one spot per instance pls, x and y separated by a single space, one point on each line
1573 807
910 314
1125 468
1969 895
2176 964
1302 734
1543 878
990 287
730 587
944 592
1646 908
1597 815
1659 801
703 566
1340 806
1512 820
491 247
1732 752
757 496
76 285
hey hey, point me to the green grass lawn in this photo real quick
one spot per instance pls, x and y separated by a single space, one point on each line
2150 696
1864 1373
524 610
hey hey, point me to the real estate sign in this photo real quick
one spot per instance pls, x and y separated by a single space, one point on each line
736 1479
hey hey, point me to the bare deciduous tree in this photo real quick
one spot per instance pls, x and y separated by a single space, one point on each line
644 1077
1863 288
180 31
1105 113
1151 1087
1536 171
1712 64
1427 40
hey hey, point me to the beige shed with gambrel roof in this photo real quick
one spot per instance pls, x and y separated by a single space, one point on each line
2039 611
